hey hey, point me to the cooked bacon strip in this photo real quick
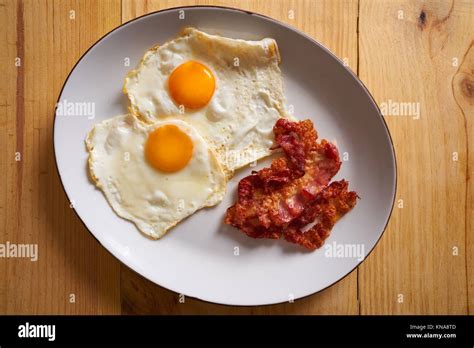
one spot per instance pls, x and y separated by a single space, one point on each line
328 207
292 193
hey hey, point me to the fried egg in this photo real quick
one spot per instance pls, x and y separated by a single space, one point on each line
154 175
230 90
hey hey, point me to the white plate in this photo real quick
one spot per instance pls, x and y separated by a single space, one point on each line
197 258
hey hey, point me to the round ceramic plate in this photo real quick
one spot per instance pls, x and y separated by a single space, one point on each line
201 257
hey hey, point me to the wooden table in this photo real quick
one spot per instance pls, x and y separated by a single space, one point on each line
404 51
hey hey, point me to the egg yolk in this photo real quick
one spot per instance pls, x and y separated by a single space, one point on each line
168 148
191 84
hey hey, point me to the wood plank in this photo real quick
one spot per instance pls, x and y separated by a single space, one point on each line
34 207
409 53
333 23
463 89
7 140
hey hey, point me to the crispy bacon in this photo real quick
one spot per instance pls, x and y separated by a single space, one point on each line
293 194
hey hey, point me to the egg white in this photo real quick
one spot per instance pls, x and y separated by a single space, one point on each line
155 201
248 99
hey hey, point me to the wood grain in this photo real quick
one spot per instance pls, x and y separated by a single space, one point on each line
404 51
34 207
417 257
463 90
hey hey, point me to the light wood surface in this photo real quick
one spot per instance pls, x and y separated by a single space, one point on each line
405 51
416 62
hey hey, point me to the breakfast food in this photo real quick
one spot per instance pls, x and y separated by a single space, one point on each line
229 90
293 199
154 175
203 106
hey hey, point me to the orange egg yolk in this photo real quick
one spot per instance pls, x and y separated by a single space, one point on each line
168 149
191 84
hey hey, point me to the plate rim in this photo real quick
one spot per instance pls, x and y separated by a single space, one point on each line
289 27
